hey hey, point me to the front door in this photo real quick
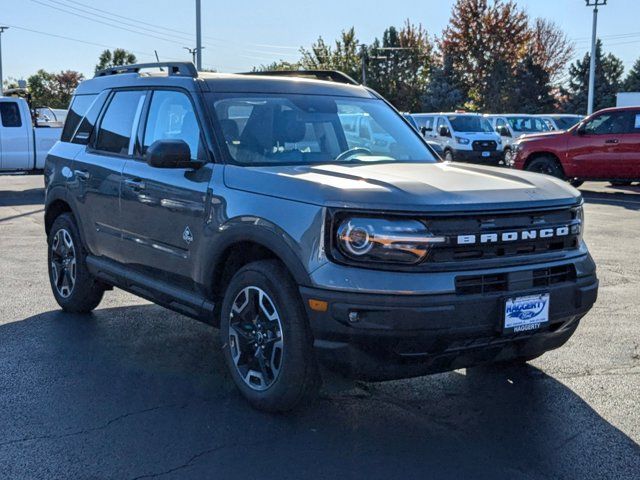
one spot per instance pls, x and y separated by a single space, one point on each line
596 151
164 210
15 137
630 148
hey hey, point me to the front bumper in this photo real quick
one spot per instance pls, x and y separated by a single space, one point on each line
398 336
471 156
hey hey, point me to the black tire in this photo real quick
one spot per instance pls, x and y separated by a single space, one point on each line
621 183
291 374
448 156
547 166
508 157
74 288
576 183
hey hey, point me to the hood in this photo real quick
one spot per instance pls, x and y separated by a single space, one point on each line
435 187
541 135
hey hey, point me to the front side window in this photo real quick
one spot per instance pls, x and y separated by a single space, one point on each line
10 114
470 124
609 123
114 134
279 129
528 124
171 117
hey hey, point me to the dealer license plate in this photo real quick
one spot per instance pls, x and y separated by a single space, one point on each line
522 314
486 154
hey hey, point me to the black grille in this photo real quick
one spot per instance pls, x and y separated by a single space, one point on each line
451 227
542 277
484 145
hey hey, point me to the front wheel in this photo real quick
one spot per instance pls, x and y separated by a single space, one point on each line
547 166
266 338
448 156
508 157
74 288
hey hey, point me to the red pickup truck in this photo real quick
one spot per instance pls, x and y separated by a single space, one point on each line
604 146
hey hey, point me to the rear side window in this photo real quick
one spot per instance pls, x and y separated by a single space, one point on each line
83 133
10 114
117 123
77 110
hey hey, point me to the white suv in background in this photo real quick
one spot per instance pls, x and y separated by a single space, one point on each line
464 137
512 126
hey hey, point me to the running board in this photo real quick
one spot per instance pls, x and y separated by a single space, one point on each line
177 299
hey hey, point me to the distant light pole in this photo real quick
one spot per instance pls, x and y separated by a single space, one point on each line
592 64
198 37
2 29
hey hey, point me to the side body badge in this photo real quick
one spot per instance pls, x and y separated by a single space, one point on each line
187 236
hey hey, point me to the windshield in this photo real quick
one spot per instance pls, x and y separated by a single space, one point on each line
565 123
528 124
469 123
291 129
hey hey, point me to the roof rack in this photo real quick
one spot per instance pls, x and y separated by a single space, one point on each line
185 69
326 75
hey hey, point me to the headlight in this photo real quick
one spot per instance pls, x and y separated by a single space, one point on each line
462 141
515 147
499 141
383 240
579 215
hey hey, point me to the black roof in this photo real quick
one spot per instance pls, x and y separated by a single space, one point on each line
181 75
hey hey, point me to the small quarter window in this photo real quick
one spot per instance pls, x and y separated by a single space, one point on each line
77 110
10 113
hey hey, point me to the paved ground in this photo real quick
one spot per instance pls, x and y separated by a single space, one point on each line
135 391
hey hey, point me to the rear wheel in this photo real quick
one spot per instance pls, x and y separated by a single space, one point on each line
547 166
74 288
266 338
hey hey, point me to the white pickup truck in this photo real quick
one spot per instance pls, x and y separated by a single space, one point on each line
23 146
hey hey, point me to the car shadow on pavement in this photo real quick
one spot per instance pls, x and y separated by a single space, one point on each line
630 201
138 392
32 196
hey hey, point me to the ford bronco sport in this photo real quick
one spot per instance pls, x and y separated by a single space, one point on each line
251 202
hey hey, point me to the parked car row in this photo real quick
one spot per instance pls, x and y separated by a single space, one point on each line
604 146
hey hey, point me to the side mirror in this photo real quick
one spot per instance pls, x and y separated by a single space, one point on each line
423 131
580 130
170 154
444 132
503 131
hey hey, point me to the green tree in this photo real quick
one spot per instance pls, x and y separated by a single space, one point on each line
343 55
531 88
118 57
632 82
608 81
399 65
443 92
53 89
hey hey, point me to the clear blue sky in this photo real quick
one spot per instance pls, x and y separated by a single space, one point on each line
242 33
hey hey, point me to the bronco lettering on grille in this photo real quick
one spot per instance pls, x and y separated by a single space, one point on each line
514 236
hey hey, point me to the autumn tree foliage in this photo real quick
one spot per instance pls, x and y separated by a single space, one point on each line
49 89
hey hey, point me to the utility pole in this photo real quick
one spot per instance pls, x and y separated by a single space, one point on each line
363 60
592 64
2 29
198 37
193 52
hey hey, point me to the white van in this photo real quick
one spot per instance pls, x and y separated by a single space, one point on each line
464 137
561 121
512 126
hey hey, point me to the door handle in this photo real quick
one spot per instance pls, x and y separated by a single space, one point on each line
134 184
82 174
612 140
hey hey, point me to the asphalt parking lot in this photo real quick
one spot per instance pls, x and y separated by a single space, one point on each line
135 391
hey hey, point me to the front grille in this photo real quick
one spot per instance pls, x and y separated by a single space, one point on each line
484 145
451 227
502 282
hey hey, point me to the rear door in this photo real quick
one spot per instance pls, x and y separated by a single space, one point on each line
630 148
15 137
97 171
597 152
163 209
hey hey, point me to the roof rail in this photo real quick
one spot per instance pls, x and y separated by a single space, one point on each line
185 69
326 75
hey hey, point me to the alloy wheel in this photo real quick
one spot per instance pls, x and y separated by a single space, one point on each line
255 338
63 263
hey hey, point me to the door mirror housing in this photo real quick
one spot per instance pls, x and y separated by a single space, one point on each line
503 131
423 131
170 154
444 132
580 129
